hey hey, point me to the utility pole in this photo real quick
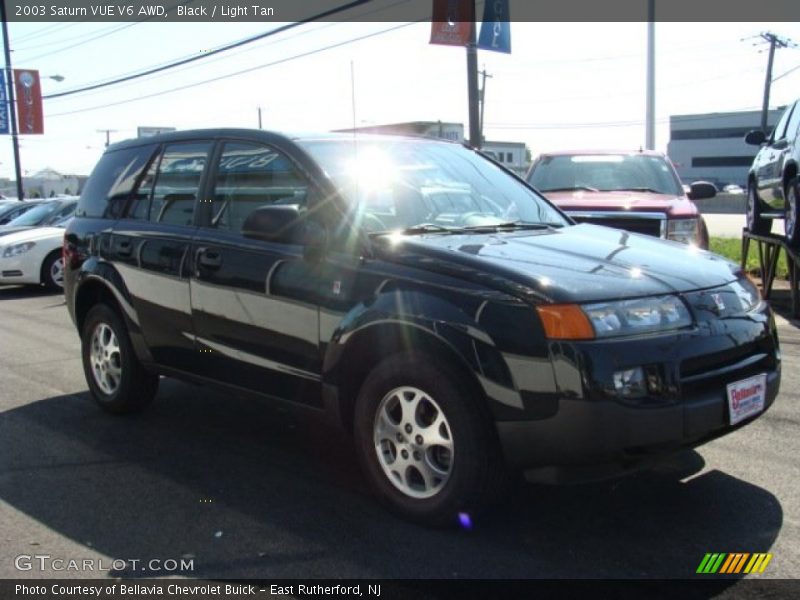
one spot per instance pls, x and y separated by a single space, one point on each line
12 112
108 133
472 86
485 75
650 111
259 118
774 42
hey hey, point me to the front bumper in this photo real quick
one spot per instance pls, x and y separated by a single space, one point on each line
601 433
17 270
591 425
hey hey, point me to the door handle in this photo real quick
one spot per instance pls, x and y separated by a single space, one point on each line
124 248
209 258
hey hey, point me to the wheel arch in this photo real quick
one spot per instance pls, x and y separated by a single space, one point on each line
349 364
96 287
789 173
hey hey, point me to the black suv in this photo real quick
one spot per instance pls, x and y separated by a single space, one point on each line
428 300
773 185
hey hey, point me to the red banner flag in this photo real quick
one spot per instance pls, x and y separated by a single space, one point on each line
451 22
29 101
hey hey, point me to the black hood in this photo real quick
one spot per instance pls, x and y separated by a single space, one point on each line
573 264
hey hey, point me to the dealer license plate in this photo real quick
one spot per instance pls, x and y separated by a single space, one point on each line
746 397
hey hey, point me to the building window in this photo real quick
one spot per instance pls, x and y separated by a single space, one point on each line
722 161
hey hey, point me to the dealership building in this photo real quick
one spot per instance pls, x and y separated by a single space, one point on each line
711 146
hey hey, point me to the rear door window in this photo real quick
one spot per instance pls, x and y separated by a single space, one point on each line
112 182
169 189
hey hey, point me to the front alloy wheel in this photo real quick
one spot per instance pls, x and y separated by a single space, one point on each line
426 439
53 271
413 442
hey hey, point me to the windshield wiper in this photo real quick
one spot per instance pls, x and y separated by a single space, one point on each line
418 229
572 188
511 225
638 189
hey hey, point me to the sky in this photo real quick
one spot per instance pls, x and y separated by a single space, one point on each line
564 85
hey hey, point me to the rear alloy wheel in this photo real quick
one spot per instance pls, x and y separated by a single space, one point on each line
53 271
117 380
426 440
790 223
755 222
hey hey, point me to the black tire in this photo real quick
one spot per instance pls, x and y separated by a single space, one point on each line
52 276
755 222
135 387
791 224
476 473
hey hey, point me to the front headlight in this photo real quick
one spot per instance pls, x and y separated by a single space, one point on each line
747 292
643 315
18 249
682 230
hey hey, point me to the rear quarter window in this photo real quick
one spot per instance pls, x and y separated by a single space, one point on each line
110 185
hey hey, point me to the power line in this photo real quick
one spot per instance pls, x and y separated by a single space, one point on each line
85 41
103 33
236 73
244 50
49 30
243 42
40 45
792 70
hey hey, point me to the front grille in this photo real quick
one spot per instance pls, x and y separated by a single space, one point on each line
716 370
635 225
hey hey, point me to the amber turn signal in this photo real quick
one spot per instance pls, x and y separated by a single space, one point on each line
565 322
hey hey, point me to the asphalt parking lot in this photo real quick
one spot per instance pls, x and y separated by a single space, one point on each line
246 489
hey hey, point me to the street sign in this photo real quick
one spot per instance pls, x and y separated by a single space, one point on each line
496 27
150 131
452 22
5 126
30 117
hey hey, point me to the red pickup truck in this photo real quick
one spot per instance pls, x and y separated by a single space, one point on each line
635 191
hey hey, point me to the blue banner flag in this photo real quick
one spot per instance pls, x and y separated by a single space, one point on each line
4 123
496 27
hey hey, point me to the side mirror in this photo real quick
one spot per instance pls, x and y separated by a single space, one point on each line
755 137
283 223
273 223
700 190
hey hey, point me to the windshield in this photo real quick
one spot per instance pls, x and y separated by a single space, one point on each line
37 215
605 173
401 184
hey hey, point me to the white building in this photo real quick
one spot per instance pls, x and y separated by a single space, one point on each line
711 146
512 155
